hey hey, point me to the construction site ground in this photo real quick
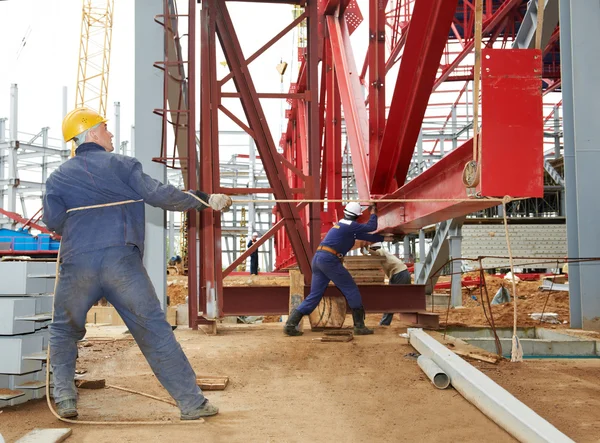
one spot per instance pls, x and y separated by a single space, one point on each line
285 389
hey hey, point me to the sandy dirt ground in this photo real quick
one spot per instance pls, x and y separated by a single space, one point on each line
286 389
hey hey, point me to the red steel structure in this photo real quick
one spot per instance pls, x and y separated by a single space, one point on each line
423 36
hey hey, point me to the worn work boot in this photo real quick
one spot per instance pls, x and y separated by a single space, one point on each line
67 408
206 410
358 315
291 325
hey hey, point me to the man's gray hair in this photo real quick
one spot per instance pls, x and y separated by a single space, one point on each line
80 138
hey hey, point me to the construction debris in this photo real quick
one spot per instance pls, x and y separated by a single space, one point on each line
335 338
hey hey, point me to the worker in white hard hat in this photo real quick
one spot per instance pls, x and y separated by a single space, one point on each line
95 200
394 268
254 255
327 266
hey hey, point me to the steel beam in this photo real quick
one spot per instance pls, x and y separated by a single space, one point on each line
264 141
355 112
427 37
584 96
274 300
377 65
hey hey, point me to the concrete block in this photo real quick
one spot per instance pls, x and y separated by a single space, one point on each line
14 351
13 308
26 278
55 435
43 304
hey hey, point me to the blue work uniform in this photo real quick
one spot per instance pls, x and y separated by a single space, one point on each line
253 259
101 256
327 266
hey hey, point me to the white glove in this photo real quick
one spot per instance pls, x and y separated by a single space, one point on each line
220 202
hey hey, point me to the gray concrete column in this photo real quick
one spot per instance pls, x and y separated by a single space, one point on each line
149 48
455 242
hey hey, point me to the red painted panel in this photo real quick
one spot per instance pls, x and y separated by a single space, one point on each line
512 127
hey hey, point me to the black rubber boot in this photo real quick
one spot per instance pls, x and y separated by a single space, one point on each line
358 315
292 323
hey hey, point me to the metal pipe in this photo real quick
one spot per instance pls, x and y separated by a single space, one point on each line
437 376
117 134
494 401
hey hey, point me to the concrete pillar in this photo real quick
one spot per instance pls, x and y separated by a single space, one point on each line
455 242
406 243
580 45
149 48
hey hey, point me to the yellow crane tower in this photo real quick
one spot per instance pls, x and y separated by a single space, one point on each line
94 55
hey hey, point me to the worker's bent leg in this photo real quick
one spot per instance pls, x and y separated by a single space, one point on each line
344 281
401 278
128 287
317 287
76 293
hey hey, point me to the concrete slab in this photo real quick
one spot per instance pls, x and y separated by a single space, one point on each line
46 436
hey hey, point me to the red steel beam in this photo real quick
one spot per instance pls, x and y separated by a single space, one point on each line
353 104
211 280
274 300
377 65
264 141
425 43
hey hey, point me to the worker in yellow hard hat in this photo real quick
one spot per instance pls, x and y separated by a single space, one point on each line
95 200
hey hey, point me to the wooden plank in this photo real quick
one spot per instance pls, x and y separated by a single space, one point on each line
55 435
212 383
330 313
90 384
464 349
296 292
331 339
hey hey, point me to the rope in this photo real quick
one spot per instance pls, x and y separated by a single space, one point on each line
540 23
92 422
476 75
382 200
126 202
516 354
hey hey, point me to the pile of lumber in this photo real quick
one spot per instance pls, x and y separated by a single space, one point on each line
365 269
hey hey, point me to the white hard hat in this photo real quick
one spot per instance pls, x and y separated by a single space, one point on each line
255 234
377 245
353 209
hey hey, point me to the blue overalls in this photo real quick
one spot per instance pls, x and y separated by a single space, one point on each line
101 256
327 266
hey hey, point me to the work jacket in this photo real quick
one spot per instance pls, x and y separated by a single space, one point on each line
345 232
94 177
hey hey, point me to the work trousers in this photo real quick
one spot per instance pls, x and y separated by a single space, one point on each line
327 267
401 278
118 274
254 264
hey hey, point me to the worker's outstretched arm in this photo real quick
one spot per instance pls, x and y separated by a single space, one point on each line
55 211
161 195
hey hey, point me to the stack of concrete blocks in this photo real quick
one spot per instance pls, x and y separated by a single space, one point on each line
26 299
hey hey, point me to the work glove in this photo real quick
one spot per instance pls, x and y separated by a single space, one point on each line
373 209
220 202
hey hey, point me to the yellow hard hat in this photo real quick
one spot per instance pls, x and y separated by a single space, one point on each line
78 121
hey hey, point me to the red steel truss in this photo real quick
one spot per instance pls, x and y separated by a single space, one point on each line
430 40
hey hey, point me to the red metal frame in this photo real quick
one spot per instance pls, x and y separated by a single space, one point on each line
424 36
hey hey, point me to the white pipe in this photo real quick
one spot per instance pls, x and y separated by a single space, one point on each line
490 398
438 377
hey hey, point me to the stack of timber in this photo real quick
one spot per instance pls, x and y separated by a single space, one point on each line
366 269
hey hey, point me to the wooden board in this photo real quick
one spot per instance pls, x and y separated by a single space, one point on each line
334 338
90 384
109 315
212 383
296 293
55 435
464 349
8 394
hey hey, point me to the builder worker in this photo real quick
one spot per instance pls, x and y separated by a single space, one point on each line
394 269
327 266
101 256
254 255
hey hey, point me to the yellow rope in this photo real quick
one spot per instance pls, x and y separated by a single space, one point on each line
540 23
476 76
517 350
